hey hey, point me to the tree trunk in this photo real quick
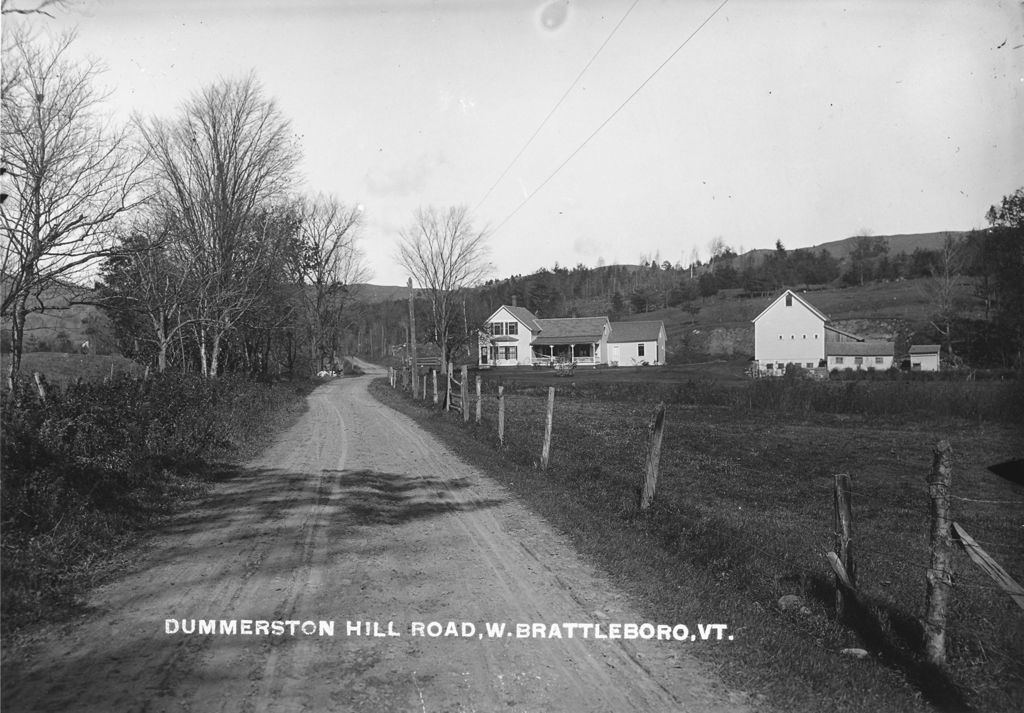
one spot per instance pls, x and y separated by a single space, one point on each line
214 354
18 316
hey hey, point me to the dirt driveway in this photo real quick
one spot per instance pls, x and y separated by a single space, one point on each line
355 517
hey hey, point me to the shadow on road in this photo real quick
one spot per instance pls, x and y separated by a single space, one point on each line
390 498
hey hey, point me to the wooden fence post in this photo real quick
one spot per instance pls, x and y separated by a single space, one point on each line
41 385
479 404
423 393
940 573
843 529
656 430
545 453
464 393
501 415
433 373
448 390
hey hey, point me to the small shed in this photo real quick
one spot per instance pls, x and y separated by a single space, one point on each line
637 343
924 357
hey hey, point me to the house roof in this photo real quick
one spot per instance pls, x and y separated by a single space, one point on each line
570 330
859 348
635 331
924 349
521 314
799 299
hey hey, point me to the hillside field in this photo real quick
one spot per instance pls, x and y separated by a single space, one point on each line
60 367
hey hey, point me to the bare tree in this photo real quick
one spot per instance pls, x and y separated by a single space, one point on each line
444 254
943 290
40 7
69 175
329 265
227 156
151 281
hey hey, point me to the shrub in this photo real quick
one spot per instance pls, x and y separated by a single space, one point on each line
100 459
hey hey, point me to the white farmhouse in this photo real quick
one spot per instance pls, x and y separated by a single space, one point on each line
506 341
514 336
791 330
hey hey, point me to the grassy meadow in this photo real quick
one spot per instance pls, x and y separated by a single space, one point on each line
744 515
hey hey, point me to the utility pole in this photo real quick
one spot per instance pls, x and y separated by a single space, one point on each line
412 340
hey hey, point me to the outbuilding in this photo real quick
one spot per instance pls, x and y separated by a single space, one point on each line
924 357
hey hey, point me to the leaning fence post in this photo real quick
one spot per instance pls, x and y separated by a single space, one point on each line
501 415
479 405
433 373
464 393
656 430
843 529
940 573
545 453
40 385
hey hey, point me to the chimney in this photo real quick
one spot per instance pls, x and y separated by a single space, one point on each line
515 300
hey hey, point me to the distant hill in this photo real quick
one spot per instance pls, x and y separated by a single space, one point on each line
372 294
903 243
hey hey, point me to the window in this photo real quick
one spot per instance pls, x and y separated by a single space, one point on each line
792 336
810 365
805 336
509 353
789 300
780 336
815 336
839 360
879 360
640 349
858 360
512 328
497 328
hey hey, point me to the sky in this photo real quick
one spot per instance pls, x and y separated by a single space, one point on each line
794 120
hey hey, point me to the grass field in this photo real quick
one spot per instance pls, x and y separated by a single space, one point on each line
58 367
744 516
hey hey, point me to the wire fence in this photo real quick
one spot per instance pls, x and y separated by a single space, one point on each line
891 516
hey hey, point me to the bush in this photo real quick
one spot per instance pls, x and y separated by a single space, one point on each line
101 459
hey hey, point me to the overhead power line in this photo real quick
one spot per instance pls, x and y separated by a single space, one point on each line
557 104
610 116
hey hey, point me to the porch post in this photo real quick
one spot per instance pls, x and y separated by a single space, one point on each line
572 353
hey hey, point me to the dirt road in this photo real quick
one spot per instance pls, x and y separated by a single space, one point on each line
354 515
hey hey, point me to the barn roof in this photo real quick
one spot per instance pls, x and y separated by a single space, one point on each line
859 348
570 330
635 331
924 349
799 299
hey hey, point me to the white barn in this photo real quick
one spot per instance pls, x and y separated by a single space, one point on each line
791 330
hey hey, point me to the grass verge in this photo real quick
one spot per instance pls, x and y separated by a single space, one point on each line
91 470
743 517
